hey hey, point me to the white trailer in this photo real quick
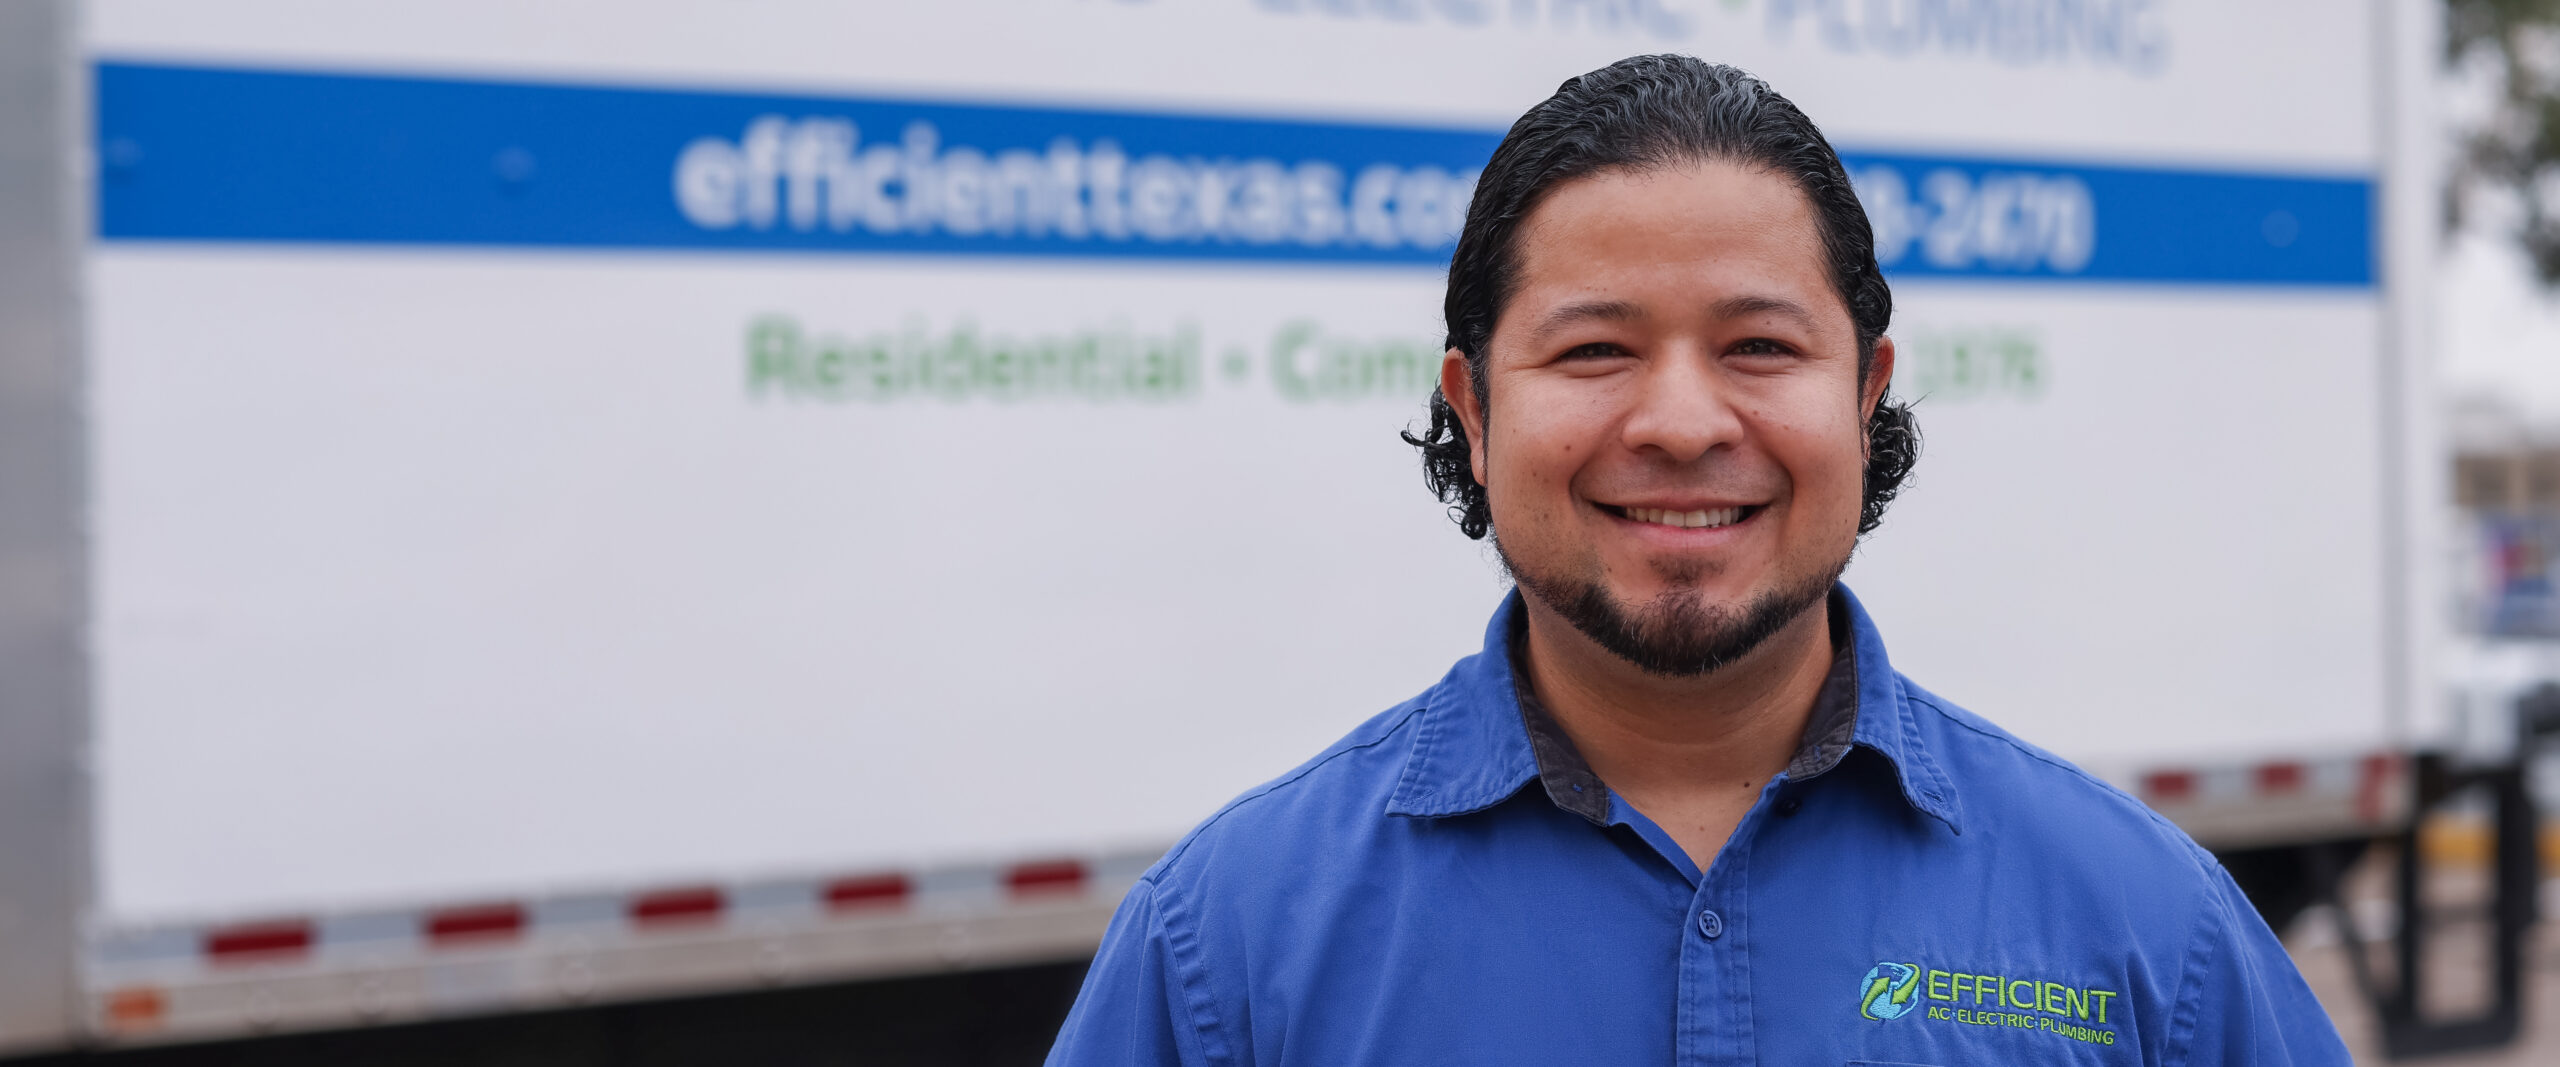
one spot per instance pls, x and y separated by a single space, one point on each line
512 506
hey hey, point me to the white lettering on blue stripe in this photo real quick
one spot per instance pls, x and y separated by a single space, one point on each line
808 173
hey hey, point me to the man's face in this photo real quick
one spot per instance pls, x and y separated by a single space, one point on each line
1675 445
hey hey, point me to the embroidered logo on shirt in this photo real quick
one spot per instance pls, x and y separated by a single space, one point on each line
1893 990
1889 990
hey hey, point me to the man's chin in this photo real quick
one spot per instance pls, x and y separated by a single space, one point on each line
1687 600
1680 631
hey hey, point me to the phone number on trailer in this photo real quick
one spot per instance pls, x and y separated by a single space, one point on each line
2000 220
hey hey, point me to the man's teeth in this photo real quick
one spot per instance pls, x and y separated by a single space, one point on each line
1687 519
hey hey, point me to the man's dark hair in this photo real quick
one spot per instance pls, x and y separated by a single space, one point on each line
1641 113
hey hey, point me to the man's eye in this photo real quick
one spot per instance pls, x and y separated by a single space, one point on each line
1594 350
1761 346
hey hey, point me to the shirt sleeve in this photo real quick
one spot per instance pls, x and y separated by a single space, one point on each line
2251 1006
1129 1013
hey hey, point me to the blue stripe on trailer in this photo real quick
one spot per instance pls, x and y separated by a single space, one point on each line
224 155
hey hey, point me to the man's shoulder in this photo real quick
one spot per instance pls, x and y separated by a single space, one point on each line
1321 805
2106 887
2030 797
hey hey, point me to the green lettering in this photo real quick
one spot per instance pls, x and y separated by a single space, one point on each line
1939 980
773 353
957 371
827 371
1409 369
1000 368
961 362
1346 370
915 356
1285 375
1193 352
2024 370
2016 1001
1081 357
2075 1002
1040 366
1182 364
1155 370
873 364
2101 996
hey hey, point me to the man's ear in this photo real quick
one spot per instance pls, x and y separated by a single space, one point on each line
1879 375
1458 387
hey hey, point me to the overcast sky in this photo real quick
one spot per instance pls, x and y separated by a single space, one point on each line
2497 332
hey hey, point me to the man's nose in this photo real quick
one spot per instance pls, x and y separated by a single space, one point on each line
1683 408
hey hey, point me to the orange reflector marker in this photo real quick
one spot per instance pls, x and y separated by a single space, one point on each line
136 1009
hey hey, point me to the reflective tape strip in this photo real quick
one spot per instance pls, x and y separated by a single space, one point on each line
285 944
2367 779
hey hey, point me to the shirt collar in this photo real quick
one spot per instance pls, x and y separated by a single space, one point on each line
1476 744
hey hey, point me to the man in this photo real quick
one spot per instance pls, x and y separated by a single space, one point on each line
1681 810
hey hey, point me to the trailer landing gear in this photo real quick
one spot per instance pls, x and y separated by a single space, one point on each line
2514 894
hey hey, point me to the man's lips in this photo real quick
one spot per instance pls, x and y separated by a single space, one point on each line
1700 517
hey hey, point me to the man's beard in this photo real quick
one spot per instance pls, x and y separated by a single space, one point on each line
1675 636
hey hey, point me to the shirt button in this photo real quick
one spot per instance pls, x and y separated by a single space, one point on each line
1788 805
1711 924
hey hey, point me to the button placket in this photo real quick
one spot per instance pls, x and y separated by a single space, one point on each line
1715 1019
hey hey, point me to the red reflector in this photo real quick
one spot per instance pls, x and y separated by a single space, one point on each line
2379 767
2377 773
258 942
2169 785
1054 876
677 906
871 891
2279 777
486 922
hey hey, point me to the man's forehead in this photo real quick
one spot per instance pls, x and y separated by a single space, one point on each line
1715 237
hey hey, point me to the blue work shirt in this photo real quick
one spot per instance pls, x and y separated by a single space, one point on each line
1449 885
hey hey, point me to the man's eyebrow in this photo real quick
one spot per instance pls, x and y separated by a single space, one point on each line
1586 311
1734 307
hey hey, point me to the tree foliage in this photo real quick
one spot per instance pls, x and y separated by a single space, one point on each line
2511 152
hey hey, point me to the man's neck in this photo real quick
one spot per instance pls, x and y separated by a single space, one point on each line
1690 753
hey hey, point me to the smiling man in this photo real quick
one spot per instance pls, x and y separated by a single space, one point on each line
1680 809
